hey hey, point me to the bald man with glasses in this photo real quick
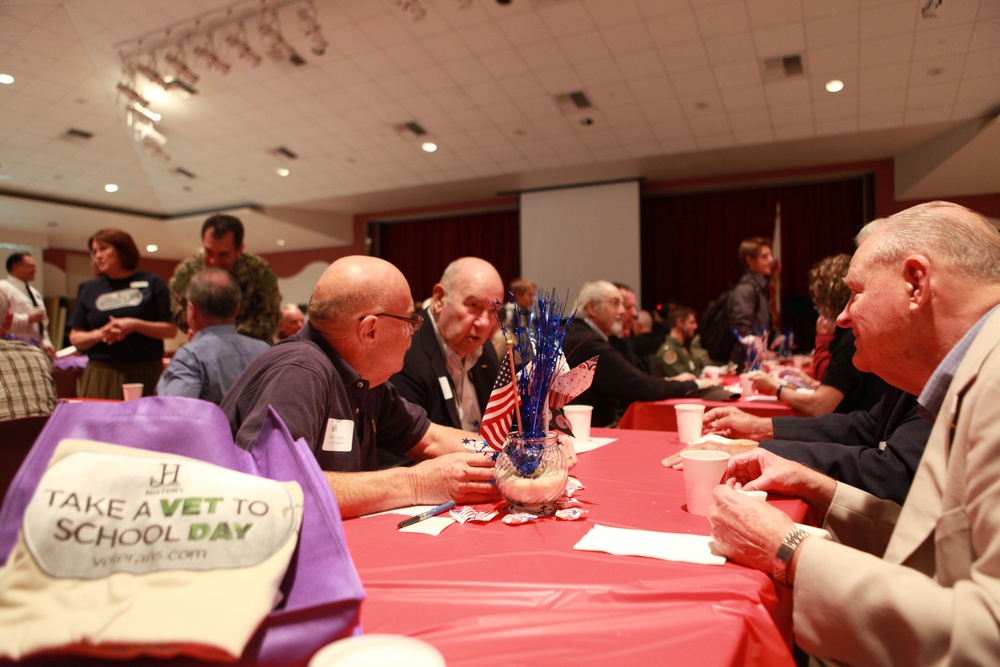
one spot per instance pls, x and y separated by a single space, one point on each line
329 384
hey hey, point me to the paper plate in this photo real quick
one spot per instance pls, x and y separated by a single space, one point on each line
378 650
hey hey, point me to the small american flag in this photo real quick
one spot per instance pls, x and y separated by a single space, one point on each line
499 409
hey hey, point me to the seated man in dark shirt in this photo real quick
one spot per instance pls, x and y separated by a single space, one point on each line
617 383
451 366
328 383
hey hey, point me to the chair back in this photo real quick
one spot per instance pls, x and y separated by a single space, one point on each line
16 438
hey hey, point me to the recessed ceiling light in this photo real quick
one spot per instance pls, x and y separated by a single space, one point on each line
111 187
429 146
834 86
152 247
279 242
6 79
281 171
155 93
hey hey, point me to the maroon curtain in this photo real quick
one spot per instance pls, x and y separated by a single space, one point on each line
690 241
421 249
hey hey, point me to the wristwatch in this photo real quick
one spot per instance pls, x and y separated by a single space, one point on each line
784 555
777 394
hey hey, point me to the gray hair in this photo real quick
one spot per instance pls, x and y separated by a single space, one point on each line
941 230
215 293
593 292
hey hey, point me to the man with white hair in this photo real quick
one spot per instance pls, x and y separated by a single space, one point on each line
917 584
328 383
599 310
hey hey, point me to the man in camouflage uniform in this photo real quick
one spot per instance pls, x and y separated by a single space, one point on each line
674 358
222 241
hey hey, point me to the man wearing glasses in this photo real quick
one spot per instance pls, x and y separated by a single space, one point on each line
450 369
328 383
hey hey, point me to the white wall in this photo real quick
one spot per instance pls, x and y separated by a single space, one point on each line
574 235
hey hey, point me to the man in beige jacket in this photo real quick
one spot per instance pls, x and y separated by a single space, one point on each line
917 584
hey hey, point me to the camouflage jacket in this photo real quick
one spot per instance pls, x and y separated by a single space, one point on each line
673 359
260 306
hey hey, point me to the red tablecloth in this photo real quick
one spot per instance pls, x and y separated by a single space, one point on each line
660 415
521 595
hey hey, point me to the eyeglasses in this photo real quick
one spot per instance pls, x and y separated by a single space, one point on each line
416 320
101 250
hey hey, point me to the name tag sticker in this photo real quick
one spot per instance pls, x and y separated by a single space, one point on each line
339 435
445 387
139 284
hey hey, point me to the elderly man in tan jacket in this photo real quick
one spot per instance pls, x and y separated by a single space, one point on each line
917 584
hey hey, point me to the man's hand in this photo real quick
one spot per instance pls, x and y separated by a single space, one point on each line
761 470
462 477
745 529
568 450
766 384
734 423
37 315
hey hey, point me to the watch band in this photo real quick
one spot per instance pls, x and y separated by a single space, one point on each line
784 555
777 394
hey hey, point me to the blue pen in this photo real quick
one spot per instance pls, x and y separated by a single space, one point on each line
417 518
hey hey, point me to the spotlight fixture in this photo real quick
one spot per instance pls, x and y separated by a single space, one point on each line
834 86
237 40
183 73
210 56
152 74
151 115
128 91
308 18
412 7
270 31
6 79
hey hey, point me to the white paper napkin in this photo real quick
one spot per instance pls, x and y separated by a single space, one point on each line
591 444
651 544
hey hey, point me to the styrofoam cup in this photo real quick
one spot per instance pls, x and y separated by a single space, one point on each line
689 418
703 471
132 390
579 420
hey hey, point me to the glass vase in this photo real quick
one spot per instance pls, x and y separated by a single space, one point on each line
531 474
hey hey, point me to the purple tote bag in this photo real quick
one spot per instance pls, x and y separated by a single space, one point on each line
322 591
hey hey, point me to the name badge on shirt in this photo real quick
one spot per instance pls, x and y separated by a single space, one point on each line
445 387
139 284
339 435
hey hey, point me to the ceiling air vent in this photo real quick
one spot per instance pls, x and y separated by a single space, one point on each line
183 173
782 67
571 102
73 134
281 150
411 130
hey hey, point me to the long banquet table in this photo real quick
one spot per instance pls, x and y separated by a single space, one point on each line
521 595
660 415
